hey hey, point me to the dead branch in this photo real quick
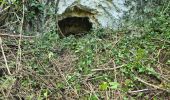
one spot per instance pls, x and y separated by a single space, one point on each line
15 36
19 58
5 60
107 69
62 75
138 91
152 85
161 40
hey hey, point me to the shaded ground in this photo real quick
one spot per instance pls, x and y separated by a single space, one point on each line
99 66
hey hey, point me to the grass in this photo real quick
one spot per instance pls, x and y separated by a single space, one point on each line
103 64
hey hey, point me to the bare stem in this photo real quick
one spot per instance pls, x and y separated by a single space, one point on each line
152 85
20 38
5 60
107 69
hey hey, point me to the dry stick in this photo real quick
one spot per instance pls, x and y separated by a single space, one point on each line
6 64
166 41
115 75
2 92
166 79
154 86
20 38
10 89
92 90
137 91
1 11
106 97
60 30
15 36
115 71
62 75
107 69
166 8
33 73
56 10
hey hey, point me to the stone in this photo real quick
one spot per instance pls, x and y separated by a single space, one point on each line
80 16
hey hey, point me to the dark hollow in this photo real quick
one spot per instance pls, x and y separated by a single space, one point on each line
75 26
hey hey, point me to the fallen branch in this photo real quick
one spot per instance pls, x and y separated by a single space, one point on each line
54 63
166 41
16 36
137 91
152 85
107 69
5 60
92 90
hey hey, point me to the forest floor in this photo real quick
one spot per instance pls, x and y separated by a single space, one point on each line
101 65
131 63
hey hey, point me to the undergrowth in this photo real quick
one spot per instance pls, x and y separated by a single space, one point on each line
128 64
103 64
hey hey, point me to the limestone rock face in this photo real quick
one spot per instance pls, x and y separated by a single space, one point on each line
90 13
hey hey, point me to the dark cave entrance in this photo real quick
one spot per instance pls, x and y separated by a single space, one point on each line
75 26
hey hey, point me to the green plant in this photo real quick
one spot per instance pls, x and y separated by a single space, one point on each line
102 64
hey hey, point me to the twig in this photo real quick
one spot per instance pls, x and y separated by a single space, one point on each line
18 62
62 75
38 77
92 90
16 36
137 91
60 30
56 10
166 79
154 86
107 69
115 73
1 11
6 64
166 8
166 41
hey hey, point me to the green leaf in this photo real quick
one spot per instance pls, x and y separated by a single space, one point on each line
114 85
50 54
93 97
168 62
46 93
103 86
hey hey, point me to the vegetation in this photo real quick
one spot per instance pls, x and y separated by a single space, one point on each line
130 63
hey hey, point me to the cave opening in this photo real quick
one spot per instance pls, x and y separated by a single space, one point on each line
77 26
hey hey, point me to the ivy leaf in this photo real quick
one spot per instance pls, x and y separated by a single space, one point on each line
168 62
50 55
103 86
46 94
114 85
